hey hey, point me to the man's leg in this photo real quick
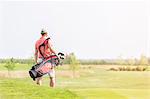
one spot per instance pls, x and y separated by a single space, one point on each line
52 82
52 78
39 81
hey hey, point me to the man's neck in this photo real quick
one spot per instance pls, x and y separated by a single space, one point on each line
44 36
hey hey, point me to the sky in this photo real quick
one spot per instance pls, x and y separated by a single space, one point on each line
104 29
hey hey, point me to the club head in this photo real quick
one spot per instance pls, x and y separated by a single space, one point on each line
61 55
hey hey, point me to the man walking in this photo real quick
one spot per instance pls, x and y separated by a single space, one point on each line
42 52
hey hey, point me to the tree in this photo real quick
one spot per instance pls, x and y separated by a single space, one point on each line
143 60
10 65
74 63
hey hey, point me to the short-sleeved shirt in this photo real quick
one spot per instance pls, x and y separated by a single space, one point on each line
45 50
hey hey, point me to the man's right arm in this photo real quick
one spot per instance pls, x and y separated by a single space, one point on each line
36 55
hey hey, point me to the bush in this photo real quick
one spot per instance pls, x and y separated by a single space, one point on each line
133 69
129 69
113 69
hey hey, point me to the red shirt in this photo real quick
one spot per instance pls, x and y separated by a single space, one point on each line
45 50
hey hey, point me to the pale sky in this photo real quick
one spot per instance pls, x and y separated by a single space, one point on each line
90 29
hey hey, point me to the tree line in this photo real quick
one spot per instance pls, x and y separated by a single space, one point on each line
120 61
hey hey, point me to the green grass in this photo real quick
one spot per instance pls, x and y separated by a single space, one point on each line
17 67
98 93
95 83
26 89
108 93
16 89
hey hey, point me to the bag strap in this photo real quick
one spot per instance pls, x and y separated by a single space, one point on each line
43 44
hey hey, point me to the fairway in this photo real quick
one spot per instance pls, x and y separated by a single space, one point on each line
93 83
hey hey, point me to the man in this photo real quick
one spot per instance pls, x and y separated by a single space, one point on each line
41 52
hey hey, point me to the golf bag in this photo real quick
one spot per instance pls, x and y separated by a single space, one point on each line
45 66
